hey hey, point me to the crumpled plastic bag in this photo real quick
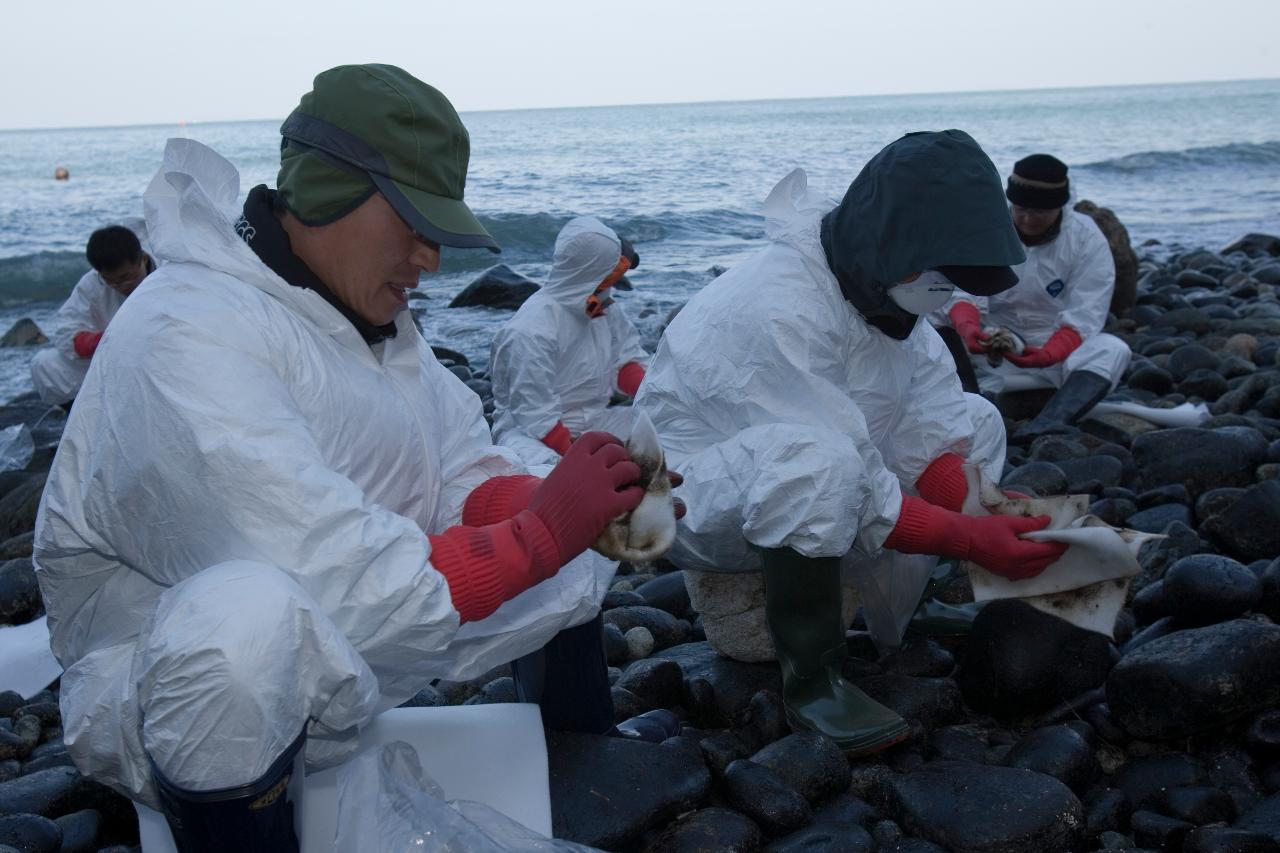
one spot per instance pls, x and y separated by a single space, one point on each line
1087 585
16 447
890 586
388 804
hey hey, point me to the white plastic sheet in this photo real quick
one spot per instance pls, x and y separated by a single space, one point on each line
1184 415
26 664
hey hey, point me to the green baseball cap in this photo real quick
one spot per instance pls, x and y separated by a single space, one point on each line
404 135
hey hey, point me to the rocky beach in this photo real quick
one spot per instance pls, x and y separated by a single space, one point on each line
1029 734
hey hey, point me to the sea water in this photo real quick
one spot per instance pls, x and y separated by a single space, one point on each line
1186 165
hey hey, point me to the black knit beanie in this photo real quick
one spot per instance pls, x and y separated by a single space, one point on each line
1039 181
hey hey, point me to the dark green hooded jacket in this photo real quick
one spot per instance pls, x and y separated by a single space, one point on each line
926 200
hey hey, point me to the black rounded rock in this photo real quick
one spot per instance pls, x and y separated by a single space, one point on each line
1019 660
79 831
497 287
1196 680
761 795
963 806
666 592
1200 459
658 683
1148 377
1157 831
708 830
1207 385
1106 810
929 701
1196 804
1216 501
1264 731
20 600
1057 751
765 719
1185 360
30 833
1206 588
1045 478
1114 511
1145 779
1226 839
809 762
666 629
827 837
1158 518
1250 528
1148 603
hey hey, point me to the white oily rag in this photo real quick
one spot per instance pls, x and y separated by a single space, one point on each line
1087 585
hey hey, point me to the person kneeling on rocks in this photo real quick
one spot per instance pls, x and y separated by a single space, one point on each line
119 265
1058 308
558 362
806 407
273 513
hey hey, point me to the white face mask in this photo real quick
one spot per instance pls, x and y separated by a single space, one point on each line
930 290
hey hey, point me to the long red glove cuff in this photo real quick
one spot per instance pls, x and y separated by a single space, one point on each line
923 528
630 376
943 483
85 343
966 318
558 439
498 498
1061 344
485 566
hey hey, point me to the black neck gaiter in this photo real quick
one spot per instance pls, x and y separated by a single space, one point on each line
1047 237
259 227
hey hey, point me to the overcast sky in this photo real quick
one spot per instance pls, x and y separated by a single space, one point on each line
90 62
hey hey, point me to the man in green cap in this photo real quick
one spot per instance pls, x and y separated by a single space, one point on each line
820 426
273 513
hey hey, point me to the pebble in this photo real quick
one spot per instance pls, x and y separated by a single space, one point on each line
640 642
763 796
1206 588
1057 751
809 762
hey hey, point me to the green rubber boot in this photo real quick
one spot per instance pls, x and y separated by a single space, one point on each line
802 604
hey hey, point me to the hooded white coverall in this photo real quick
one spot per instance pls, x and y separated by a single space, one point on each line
58 372
795 423
1065 282
551 363
233 541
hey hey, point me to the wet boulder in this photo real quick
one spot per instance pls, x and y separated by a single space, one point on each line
808 762
20 600
1126 260
24 333
975 809
497 287
1057 751
1019 660
1196 680
1249 529
606 792
1205 588
730 684
763 796
1263 818
1226 839
711 830
1200 459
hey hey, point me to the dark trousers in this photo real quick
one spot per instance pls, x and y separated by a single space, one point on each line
569 679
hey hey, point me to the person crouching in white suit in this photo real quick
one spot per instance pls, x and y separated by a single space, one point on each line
273 513
558 362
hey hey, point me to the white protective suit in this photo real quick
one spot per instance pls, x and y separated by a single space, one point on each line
1065 282
58 372
551 363
796 423
233 539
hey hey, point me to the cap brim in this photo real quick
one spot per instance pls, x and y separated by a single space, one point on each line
980 281
446 221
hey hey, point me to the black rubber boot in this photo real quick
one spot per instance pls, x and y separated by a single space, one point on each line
1080 393
802 600
253 818
568 679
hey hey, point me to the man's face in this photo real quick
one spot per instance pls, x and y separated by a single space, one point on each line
370 259
125 278
1033 221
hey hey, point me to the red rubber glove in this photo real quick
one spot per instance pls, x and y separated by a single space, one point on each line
499 498
991 541
594 483
86 343
558 439
943 483
1057 348
630 375
485 566
968 324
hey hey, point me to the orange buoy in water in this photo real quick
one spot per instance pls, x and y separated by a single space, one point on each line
61 174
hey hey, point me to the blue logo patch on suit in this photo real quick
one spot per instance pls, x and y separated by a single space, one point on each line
1055 287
